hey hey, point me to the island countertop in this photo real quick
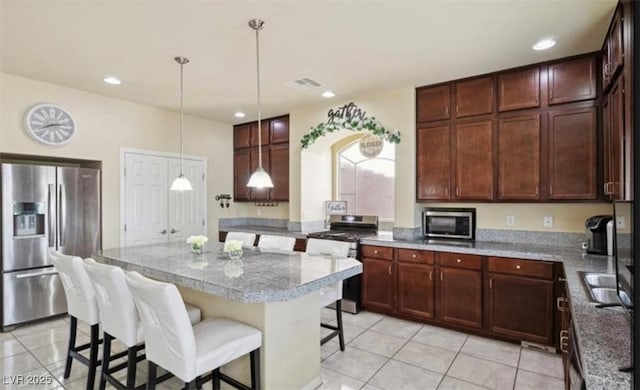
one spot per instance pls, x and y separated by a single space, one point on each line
258 277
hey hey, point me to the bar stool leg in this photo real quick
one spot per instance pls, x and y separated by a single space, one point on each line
131 368
339 318
191 385
254 358
151 376
73 326
215 379
93 356
106 354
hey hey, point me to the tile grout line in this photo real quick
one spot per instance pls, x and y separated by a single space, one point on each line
53 377
515 379
452 361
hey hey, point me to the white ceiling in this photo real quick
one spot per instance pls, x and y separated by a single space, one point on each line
351 46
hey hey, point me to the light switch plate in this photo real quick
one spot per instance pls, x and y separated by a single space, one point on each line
511 220
548 221
621 223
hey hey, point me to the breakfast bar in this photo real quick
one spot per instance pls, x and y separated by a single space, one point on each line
276 292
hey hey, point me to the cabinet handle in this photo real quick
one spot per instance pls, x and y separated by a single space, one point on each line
457 191
518 267
564 341
490 283
442 276
561 279
446 110
537 190
550 189
457 109
561 304
389 270
458 260
430 275
446 192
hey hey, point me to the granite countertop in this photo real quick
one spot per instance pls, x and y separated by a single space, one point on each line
603 334
258 277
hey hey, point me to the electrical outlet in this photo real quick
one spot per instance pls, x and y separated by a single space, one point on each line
621 223
511 220
548 221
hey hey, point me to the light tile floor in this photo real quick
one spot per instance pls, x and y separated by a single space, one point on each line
382 353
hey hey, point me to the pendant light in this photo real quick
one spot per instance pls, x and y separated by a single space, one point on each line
181 183
260 178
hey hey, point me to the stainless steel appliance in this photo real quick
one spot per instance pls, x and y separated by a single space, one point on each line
44 208
458 223
350 228
596 234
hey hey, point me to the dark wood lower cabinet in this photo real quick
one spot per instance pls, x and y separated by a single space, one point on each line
521 308
415 292
460 300
377 284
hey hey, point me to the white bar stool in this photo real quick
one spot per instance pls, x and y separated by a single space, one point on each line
120 320
247 238
185 351
81 305
282 243
333 293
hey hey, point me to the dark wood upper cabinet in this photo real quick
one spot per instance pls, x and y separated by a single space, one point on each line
517 90
279 130
474 97
279 155
519 157
241 136
613 51
241 172
433 103
572 153
474 160
433 158
264 136
573 80
261 194
613 141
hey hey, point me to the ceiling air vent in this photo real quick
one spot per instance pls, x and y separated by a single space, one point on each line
304 84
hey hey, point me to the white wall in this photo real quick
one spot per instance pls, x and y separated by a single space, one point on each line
104 126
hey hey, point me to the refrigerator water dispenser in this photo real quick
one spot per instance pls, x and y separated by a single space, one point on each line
28 219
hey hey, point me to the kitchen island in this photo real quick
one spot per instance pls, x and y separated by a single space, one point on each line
276 292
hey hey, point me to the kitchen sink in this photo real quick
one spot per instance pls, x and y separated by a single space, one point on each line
601 288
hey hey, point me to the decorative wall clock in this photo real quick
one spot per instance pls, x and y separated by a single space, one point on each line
49 124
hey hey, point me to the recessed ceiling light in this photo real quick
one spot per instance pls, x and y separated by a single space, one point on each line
544 44
328 94
239 114
112 80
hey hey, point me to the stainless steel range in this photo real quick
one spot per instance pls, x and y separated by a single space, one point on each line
350 228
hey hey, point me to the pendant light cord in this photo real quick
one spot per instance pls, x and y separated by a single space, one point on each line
258 90
181 115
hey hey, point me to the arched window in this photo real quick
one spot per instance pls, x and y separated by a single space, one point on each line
367 184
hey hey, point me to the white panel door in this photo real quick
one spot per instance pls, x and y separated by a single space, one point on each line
145 209
186 209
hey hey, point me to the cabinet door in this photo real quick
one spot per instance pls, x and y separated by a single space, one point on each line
264 134
414 289
615 40
460 297
260 194
474 160
280 172
572 153
433 176
242 136
519 157
517 90
474 97
433 103
279 130
613 126
521 308
377 284
572 81
241 173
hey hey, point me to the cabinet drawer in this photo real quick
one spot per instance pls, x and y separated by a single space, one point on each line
538 269
377 252
457 260
415 256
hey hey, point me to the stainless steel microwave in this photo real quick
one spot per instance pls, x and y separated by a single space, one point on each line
458 223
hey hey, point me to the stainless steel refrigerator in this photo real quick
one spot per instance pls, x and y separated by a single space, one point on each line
44 209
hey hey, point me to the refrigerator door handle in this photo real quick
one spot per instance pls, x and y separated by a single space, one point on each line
62 209
38 273
50 217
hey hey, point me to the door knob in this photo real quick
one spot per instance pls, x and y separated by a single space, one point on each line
174 231
164 231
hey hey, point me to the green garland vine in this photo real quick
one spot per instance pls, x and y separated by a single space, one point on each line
356 124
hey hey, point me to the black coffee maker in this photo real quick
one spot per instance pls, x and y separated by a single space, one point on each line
596 234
